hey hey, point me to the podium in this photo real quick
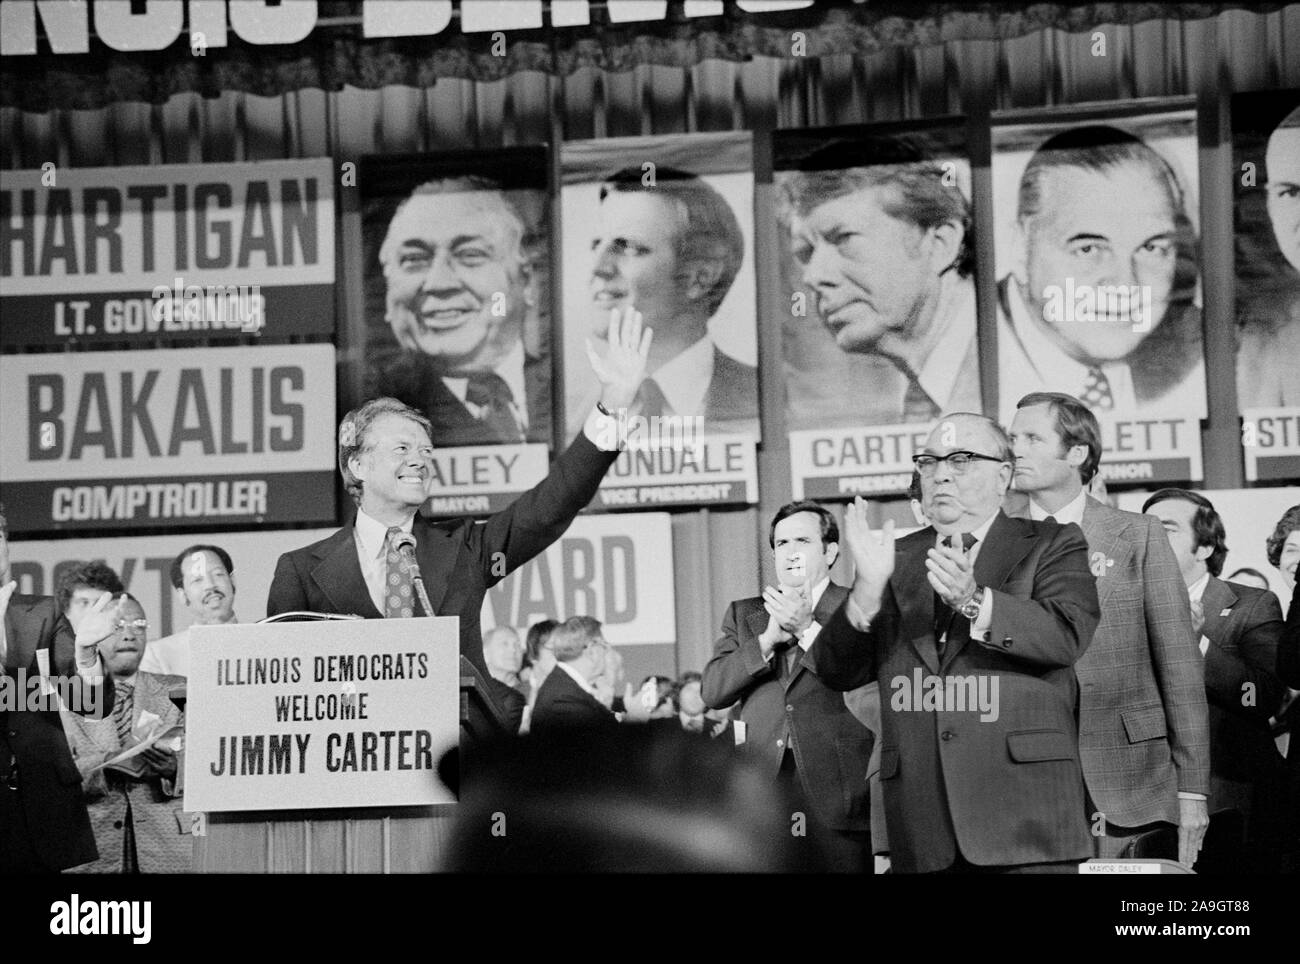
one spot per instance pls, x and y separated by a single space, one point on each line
361 839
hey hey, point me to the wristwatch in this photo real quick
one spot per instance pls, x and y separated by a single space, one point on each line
971 607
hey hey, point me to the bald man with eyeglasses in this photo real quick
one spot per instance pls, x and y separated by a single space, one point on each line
972 626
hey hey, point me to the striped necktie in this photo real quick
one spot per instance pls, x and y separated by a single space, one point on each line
123 707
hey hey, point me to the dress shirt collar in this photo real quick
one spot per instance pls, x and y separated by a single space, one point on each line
941 370
511 371
684 380
372 534
1072 511
1055 367
980 533
1197 589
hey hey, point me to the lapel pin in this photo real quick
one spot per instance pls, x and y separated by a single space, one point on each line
1225 612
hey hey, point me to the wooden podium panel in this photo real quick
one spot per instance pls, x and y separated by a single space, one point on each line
396 840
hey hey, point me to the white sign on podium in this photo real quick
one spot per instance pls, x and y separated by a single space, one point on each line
311 715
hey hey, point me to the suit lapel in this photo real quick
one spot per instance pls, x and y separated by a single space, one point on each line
1107 542
20 643
1217 598
915 597
433 551
338 577
831 600
1003 549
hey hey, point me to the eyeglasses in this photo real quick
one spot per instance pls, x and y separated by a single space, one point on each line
139 625
960 461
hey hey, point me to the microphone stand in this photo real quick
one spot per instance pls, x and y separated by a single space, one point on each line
414 567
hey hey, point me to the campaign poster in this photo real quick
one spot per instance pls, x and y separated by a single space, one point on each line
171 253
876 249
1095 240
207 437
665 225
1266 234
456 276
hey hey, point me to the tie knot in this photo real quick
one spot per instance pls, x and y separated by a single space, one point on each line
394 533
967 540
489 390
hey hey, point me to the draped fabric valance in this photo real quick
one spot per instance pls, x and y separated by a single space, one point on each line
336 54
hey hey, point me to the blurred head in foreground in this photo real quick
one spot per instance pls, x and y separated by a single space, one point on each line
644 798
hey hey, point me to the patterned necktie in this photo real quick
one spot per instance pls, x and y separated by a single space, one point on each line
123 704
918 406
650 399
1096 390
495 402
398 588
946 617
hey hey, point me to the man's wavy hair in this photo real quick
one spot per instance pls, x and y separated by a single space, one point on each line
356 426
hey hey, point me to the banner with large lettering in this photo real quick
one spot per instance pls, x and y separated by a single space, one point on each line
665 225
180 439
300 716
185 252
1096 239
614 568
456 281
144 564
877 302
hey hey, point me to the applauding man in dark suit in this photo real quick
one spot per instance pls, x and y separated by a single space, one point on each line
795 725
972 626
1143 731
386 458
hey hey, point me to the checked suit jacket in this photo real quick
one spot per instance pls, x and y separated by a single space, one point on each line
1001 791
1143 720
831 747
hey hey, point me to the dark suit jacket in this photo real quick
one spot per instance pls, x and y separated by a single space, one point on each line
1240 662
48 781
1288 650
1001 791
460 559
564 705
1143 725
831 747
731 404
511 702
409 377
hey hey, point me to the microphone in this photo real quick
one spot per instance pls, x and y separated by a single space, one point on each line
405 546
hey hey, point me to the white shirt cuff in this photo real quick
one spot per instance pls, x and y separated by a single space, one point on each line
808 635
602 431
980 628
1188 795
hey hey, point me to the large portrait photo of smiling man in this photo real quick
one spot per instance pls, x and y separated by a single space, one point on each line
456 288
1096 242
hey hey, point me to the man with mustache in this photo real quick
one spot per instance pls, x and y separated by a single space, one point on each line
204 581
460 276
671 250
1101 216
887 252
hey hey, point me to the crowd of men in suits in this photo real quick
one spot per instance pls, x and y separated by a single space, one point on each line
995 692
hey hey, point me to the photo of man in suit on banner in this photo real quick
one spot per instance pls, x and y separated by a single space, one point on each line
877 245
458 273
1266 128
672 236
1096 256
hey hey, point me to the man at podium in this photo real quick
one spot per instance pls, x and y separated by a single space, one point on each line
386 459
